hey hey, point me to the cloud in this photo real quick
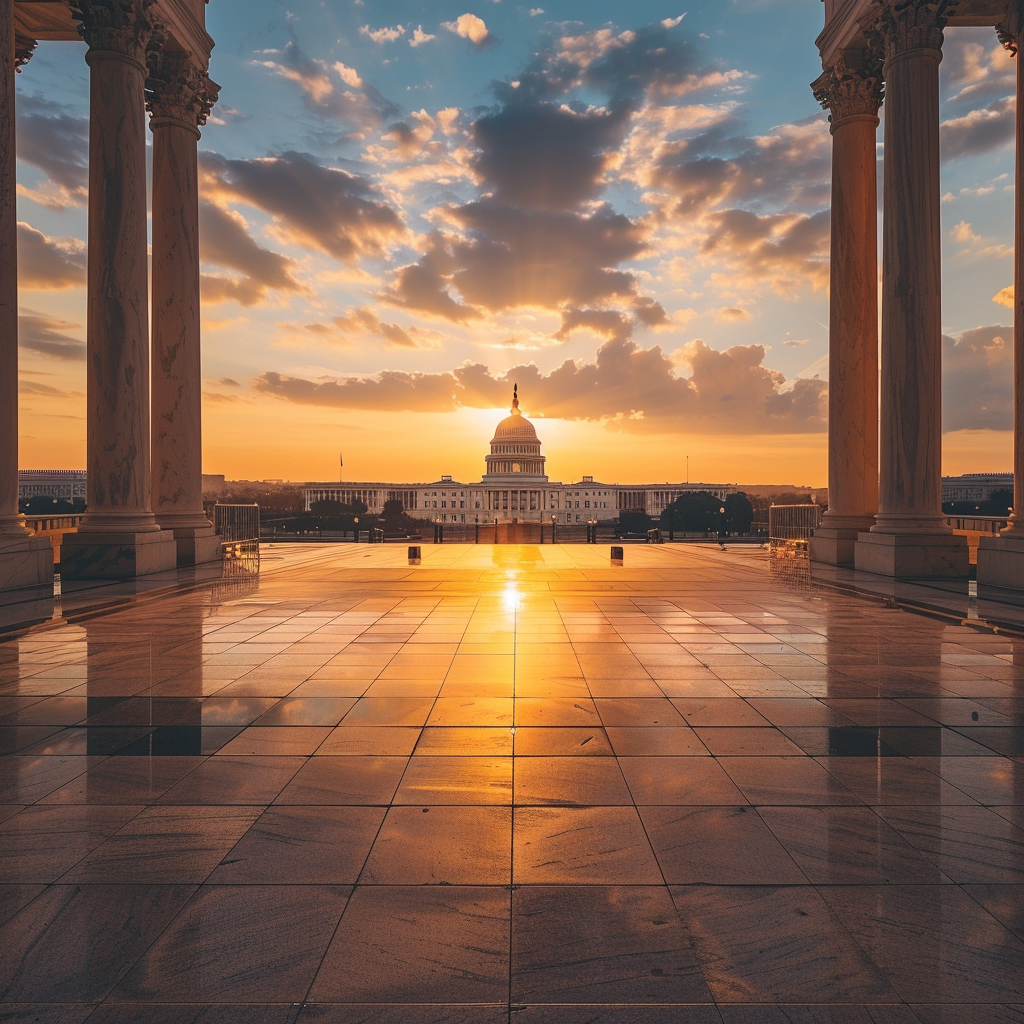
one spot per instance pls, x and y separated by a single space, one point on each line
311 206
364 321
225 242
470 27
535 11
626 386
789 167
333 91
979 131
544 156
977 380
382 35
48 336
49 263
419 37
783 252
55 141
504 257
1004 297
39 390
977 70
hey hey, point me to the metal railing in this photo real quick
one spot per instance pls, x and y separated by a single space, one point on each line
790 529
238 527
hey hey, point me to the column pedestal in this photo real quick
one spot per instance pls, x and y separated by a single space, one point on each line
25 562
835 542
1001 562
115 556
913 556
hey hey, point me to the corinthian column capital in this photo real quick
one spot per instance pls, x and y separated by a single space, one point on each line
24 47
123 27
905 25
852 86
177 91
1011 29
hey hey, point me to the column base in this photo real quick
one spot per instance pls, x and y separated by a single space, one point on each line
1001 562
116 556
25 562
913 556
197 545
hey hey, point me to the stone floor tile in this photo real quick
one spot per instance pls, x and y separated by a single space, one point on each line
234 944
430 781
601 944
582 845
442 846
785 780
433 944
402 1013
192 1013
234 780
73 943
165 845
770 944
679 781
570 781
556 741
718 845
903 929
344 780
302 846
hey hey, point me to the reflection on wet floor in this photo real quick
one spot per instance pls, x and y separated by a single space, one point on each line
511 784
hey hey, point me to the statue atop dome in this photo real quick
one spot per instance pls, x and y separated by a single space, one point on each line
515 401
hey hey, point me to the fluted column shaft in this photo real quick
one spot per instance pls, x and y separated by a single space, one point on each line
118 322
10 522
1015 528
180 97
851 89
910 487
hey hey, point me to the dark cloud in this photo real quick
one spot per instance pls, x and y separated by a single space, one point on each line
542 156
635 388
55 141
225 242
657 59
783 251
979 131
977 380
336 92
47 336
789 168
49 263
508 257
323 208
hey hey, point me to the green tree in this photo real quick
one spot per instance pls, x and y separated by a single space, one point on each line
693 512
634 521
739 513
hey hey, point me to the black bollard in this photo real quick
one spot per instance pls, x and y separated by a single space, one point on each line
414 554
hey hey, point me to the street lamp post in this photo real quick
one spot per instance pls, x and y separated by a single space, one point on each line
355 529
721 526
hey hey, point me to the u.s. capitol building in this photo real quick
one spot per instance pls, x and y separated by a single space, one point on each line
513 486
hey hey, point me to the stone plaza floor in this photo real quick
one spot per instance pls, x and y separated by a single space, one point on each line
511 784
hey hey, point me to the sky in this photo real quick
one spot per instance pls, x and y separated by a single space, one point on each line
408 206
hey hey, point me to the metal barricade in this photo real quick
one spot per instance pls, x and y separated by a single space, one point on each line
238 527
790 529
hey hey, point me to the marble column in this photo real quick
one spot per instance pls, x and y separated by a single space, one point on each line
25 561
910 537
1001 559
851 90
180 96
119 536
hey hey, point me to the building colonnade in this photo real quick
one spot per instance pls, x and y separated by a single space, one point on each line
885 500
145 509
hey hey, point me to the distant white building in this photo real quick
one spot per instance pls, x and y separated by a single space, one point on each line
975 486
52 483
513 486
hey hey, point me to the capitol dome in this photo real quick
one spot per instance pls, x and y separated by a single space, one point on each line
515 447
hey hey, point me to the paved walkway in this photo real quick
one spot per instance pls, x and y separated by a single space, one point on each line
512 784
